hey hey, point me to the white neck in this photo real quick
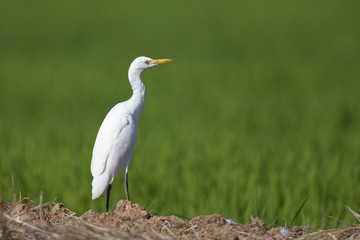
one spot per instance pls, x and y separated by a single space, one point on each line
137 100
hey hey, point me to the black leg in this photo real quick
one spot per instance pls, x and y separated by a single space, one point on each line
108 197
126 186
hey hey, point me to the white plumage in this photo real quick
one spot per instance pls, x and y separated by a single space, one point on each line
117 135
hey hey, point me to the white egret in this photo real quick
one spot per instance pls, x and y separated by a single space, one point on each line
117 135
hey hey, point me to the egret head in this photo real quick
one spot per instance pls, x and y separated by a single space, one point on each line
140 64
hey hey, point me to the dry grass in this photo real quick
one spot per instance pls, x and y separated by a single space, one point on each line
64 226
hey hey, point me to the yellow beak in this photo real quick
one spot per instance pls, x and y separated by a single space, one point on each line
161 61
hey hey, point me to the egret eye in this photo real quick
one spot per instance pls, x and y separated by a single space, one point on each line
147 62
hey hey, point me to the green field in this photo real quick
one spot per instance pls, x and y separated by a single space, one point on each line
259 112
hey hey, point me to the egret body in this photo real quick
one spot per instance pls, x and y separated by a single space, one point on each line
117 135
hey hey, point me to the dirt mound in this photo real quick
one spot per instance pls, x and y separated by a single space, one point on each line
132 221
130 217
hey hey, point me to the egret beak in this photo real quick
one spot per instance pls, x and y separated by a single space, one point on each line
161 61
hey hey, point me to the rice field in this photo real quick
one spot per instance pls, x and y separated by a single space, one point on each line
259 113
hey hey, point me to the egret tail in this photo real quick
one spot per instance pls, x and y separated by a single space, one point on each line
99 185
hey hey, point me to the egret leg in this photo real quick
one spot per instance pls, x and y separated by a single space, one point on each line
126 184
108 197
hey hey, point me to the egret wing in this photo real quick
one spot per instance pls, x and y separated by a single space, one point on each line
115 121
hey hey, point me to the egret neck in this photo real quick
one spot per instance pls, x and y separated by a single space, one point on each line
137 100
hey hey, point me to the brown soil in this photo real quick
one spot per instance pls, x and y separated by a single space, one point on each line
132 221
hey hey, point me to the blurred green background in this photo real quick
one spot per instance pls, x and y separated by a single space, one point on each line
259 112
